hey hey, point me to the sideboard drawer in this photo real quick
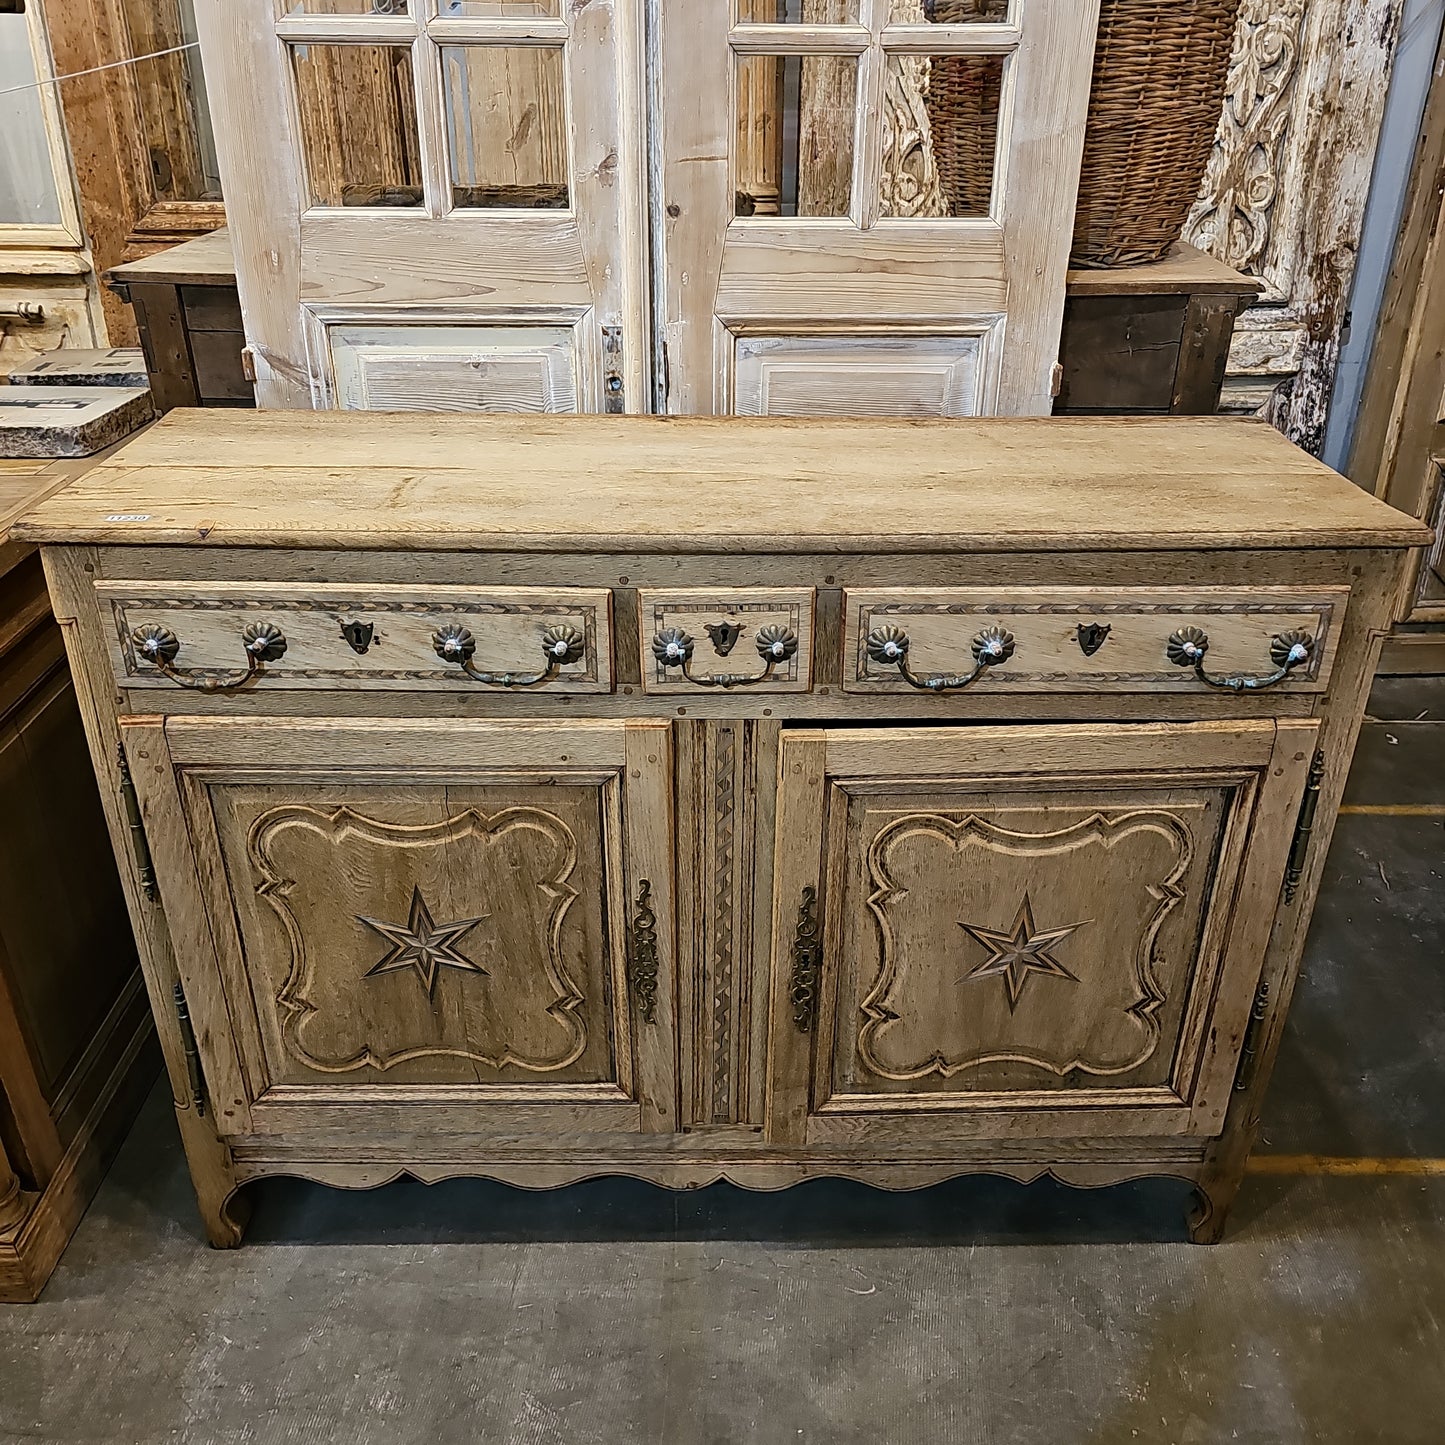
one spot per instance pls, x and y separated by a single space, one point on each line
223 636
1124 639
723 637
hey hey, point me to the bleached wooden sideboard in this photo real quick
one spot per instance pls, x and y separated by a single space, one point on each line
542 798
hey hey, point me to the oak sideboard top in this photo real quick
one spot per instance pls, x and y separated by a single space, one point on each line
423 481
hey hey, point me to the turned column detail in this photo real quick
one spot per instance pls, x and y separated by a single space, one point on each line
12 1200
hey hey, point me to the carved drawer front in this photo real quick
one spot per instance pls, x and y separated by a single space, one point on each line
1031 931
726 638
1127 639
412 926
226 636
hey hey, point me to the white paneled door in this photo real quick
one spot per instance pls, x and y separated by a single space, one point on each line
854 207
867 204
435 204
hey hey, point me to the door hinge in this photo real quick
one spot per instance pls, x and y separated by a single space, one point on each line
192 1053
139 847
1247 1054
248 364
1056 380
613 391
1299 849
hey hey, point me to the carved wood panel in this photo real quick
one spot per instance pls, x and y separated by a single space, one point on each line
726 799
422 934
1024 930
1284 196
1046 941
435 915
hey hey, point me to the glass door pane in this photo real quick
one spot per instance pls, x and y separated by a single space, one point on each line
28 192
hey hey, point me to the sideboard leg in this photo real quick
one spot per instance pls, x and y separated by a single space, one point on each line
1209 1209
224 1209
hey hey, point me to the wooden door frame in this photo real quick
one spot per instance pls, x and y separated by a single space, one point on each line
263 166
124 216
1397 431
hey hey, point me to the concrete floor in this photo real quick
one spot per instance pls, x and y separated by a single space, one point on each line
978 1311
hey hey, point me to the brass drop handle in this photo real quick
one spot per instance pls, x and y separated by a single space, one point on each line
673 648
1287 651
991 647
560 645
263 642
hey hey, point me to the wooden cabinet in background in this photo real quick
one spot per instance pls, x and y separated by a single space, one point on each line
77 1049
540 798
189 319
1150 339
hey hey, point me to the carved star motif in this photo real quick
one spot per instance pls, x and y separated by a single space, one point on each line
1022 951
423 944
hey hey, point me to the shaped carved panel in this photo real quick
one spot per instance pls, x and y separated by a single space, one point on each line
1036 941
422 934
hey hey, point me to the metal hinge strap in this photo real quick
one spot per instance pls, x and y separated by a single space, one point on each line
140 848
192 1053
1247 1054
1299 849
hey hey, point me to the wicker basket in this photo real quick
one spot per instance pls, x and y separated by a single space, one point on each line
1159 76
963 104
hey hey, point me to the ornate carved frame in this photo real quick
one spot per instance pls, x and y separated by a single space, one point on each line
1284 197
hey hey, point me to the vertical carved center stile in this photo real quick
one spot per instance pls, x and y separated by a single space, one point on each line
807 956
721 782
724 935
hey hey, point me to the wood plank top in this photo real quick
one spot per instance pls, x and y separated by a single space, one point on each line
25 482
206 261
449 482
1185 271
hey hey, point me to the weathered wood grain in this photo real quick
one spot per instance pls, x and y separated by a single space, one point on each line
703 485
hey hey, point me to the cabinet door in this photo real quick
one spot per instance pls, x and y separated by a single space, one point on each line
866 205
1022 931
420 926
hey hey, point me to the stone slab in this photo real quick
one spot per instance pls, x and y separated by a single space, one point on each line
68 421
75 366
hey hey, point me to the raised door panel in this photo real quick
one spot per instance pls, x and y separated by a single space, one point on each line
1054 932
413 926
